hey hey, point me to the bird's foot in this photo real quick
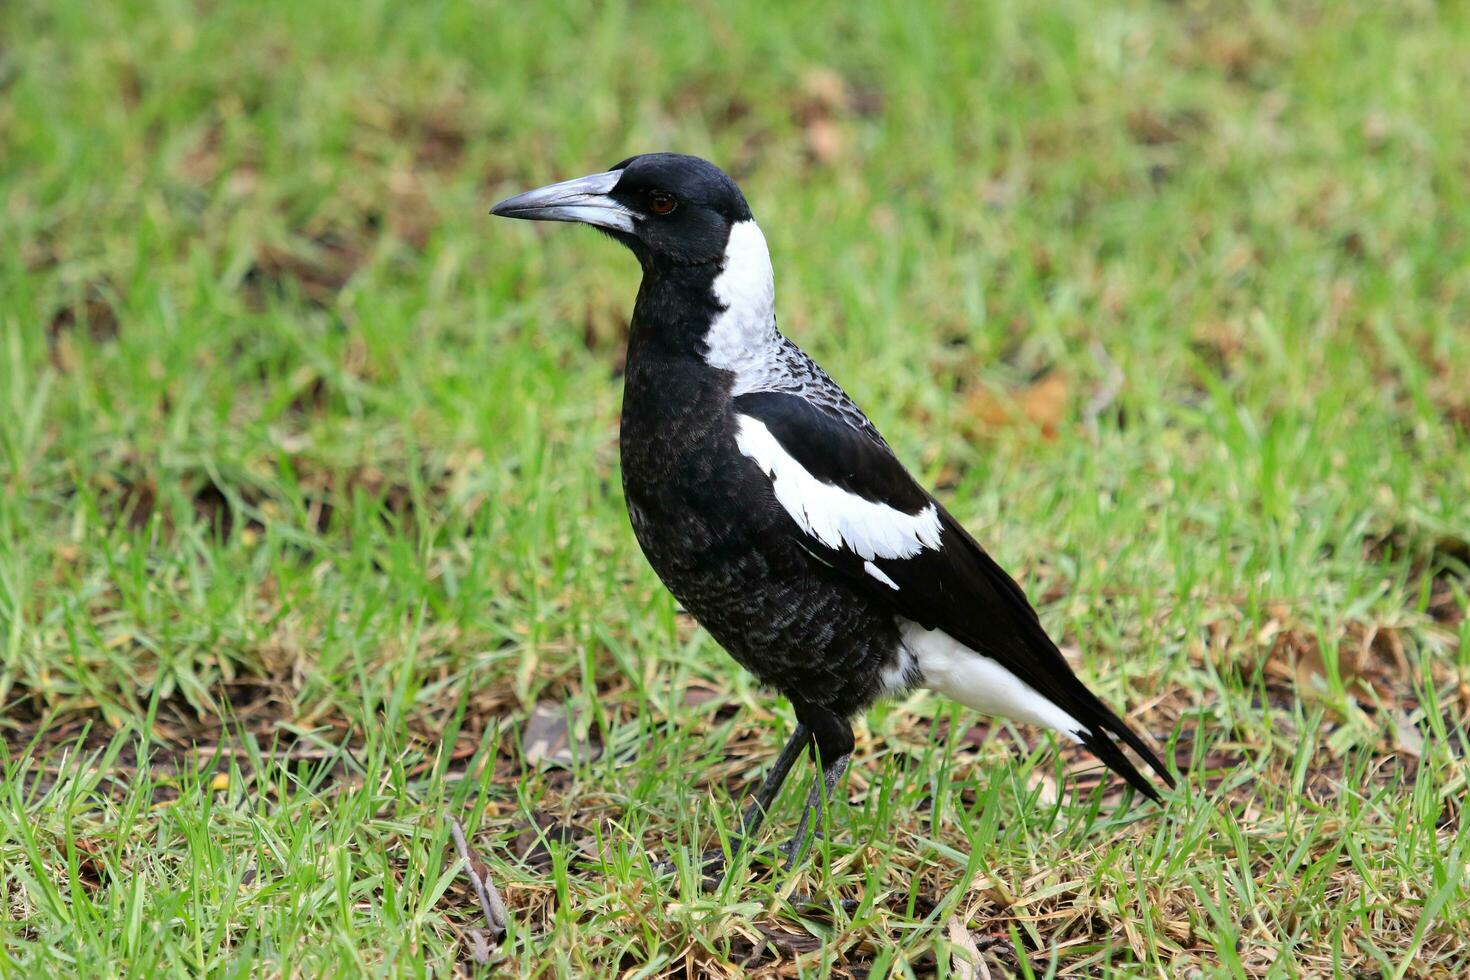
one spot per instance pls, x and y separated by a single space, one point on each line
711 865
823 789
806 903
796 849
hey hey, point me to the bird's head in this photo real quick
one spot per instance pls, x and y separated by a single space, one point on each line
667 208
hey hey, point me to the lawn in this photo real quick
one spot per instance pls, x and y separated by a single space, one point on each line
312 539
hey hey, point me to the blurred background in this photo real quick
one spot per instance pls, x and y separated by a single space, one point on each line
309 501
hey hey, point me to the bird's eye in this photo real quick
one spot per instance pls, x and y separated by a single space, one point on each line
662 202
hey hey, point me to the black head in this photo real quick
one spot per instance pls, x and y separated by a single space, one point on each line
666 207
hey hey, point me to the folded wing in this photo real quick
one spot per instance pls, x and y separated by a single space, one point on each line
855 509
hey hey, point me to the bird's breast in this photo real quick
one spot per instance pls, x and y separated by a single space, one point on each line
684 480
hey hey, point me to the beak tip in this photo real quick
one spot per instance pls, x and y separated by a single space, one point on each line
582 200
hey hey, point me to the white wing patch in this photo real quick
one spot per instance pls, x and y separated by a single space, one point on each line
877 573
832 515
978 682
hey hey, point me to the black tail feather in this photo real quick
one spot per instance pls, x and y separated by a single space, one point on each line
1105 749
1131 739
1098 738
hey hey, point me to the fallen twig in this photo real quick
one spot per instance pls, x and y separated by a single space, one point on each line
490 901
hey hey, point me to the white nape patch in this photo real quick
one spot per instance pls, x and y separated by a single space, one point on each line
976 681
829 513
877 573
742 335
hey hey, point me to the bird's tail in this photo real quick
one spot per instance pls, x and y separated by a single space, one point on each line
1102 726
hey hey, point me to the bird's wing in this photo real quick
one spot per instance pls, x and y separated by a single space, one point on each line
855 508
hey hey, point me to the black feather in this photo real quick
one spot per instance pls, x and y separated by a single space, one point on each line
957 588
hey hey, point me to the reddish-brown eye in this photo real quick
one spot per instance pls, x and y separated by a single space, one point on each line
662 202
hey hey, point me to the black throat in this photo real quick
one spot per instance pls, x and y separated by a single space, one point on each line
675 404
676 305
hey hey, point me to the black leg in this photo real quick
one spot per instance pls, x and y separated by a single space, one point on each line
832 746
766 795
713 862
823 789
830 737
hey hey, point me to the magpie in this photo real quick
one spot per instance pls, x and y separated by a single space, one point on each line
772 509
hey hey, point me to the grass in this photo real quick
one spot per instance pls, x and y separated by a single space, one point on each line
309 496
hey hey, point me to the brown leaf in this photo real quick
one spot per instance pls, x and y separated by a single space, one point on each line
824 88
983 405
824 140
547 738
697 693
1043 404
1371 664
1407 737
825 100
966 963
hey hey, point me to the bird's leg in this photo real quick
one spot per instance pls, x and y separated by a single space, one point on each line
832 744
823 789
713 862
766 795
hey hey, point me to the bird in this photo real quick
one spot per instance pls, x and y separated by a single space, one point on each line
777 515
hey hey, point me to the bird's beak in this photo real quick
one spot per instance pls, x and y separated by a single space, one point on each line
586 200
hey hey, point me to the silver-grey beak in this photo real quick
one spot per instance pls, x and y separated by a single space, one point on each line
585 200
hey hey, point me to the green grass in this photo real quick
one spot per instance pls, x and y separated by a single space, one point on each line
309 494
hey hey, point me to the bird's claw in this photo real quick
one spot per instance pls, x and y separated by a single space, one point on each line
711 865
796 849
806 902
